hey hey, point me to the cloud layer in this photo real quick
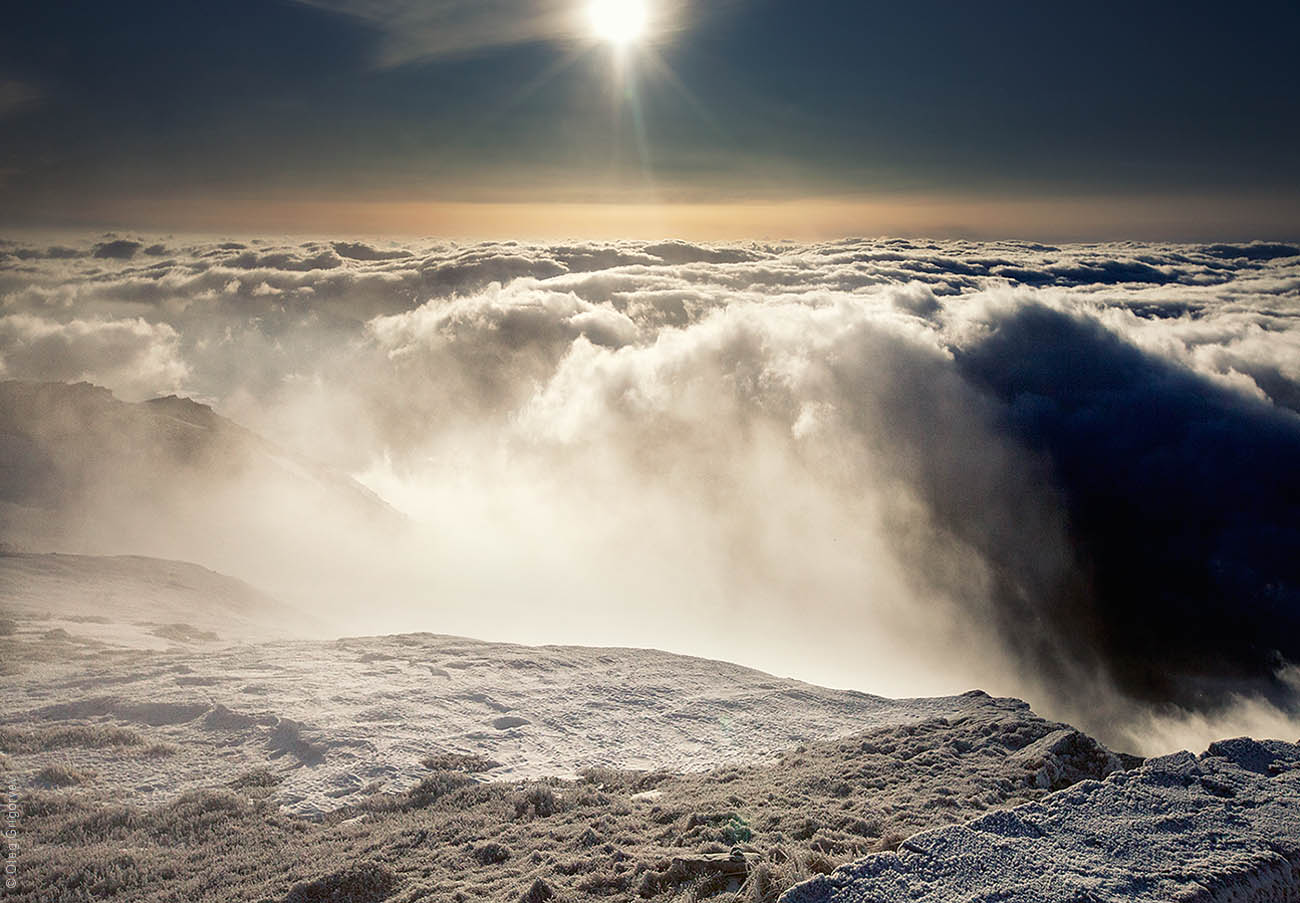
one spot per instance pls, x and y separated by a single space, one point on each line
1065 472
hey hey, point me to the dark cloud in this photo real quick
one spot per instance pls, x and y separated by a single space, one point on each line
478 267
1183 506
1255 251
586 258
118 249
1101 272
55 252
358 250
286 260
679 252
1164 310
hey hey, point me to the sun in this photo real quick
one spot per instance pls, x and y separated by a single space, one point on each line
620 22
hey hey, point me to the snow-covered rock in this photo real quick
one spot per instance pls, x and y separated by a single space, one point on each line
1223 826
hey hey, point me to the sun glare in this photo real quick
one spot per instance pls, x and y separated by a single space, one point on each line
619 22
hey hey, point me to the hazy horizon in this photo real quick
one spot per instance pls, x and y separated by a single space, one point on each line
1069 219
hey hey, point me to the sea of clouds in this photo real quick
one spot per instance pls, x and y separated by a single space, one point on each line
1067 473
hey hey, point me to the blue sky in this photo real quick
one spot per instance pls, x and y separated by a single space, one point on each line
145 113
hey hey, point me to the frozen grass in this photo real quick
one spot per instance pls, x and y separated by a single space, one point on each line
610 834
392 710
262 778
85 736
466 762
367 881
59 775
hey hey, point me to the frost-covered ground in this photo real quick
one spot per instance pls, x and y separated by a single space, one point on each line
431 768
178 749
343 719
1223 826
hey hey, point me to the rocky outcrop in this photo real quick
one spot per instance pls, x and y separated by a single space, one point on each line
1065 757
1223 826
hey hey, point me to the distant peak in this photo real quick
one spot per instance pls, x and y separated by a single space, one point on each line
183 408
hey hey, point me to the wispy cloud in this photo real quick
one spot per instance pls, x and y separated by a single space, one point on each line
421 29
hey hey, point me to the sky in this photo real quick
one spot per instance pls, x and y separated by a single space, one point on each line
727 119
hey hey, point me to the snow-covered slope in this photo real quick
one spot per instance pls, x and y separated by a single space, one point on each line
1224 826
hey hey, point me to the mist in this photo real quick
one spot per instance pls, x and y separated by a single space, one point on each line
1059 473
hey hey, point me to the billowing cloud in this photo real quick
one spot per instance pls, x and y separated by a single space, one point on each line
1062 472
134 358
